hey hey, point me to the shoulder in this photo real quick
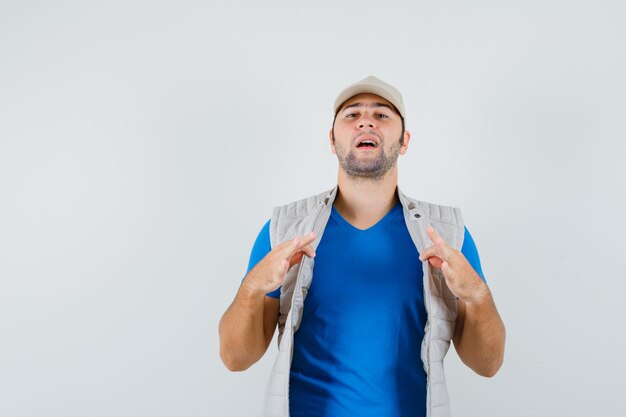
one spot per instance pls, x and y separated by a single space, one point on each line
446 220
297 217
436 212
301 208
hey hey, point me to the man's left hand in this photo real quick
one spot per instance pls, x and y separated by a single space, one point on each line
461 278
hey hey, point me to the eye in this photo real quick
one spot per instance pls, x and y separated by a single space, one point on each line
382 116
350 115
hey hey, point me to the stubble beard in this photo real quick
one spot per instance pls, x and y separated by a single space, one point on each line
370 170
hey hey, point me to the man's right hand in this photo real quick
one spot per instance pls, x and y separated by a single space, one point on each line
247 326
270 272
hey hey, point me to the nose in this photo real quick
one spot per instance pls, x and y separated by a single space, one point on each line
366 122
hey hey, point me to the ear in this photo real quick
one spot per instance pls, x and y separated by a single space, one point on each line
332 144
407 139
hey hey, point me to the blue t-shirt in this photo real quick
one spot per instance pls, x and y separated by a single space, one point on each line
357 351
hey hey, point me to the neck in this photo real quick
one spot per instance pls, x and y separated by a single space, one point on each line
364 202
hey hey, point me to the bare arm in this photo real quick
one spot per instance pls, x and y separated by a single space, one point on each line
479 334
247 327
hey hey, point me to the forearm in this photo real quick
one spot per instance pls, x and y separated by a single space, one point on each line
247 326
481 342
242 339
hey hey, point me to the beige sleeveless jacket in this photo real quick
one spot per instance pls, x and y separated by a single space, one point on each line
311 214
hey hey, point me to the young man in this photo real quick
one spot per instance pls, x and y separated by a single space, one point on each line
392 282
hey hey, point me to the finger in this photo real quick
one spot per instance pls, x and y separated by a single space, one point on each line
435 262
434 236
428 252
295 259
284 267
444 251
447 271
308 249
290 247
297 244
307 239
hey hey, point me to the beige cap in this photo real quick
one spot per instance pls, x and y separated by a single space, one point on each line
372 85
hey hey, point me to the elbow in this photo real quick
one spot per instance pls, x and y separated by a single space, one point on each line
492 365
237 360
489 371
232 363
237 353
490 368
230 357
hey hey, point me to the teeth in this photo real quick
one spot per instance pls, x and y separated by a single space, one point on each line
369 142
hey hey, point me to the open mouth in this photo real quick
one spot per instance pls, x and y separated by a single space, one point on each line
367 143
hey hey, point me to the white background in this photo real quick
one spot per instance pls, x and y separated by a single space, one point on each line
144 143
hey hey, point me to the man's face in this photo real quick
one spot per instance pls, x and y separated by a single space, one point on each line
368 137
